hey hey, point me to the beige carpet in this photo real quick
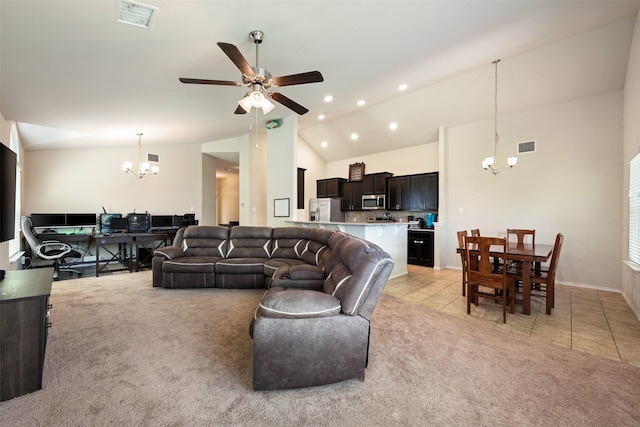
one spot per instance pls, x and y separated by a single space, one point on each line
122 353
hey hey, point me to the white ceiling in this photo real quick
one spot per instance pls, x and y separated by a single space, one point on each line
73 77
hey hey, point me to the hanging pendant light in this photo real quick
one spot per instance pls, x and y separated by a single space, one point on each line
489 163
144 168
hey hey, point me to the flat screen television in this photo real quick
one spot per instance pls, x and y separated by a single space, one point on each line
81 220
48 219
8 162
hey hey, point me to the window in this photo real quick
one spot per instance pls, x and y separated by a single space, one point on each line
14 245
634 210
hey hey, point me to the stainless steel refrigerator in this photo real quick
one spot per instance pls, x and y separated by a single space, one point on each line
325 210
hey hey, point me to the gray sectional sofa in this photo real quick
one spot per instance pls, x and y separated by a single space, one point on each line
313 322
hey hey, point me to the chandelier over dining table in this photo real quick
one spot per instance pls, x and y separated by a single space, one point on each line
144 168
489 163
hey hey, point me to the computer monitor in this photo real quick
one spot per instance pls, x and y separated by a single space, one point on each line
81 220
105 221
48 220
119 225
161 222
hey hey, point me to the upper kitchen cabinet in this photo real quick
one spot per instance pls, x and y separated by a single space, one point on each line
375 183
331 187
351 196
399 192
424 192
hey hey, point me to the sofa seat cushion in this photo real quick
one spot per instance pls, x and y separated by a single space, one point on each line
190 264
297 303
281 265
241 266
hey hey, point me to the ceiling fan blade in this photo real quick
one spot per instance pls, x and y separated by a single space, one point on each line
292 105
239 110
209 82
298 79
236 57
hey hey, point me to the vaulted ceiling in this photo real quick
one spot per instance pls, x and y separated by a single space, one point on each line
72 76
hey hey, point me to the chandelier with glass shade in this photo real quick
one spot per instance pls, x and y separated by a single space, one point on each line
144 168
489 163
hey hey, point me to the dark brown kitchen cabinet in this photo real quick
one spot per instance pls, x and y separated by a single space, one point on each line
424 192
399 191
331 187
375 183
351 196
24 323
420 250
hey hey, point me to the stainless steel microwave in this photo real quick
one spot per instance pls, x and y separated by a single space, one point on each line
373 201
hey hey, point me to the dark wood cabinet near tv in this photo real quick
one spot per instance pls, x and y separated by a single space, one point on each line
331 187
375 183
424 192
420 248
24 319
352 196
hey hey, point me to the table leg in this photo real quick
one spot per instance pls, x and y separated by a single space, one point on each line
526 287
97 258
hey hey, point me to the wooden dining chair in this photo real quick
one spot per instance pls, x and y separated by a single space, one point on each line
481 275
543 283
461 236
475 232
521 236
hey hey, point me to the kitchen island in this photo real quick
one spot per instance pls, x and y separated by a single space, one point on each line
390 236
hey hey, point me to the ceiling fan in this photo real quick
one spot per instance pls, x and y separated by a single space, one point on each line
259 80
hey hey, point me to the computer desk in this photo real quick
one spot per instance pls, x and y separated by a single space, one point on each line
127 242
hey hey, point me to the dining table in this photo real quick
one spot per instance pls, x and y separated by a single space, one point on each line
528 254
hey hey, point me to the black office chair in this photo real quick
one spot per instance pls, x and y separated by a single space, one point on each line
49 250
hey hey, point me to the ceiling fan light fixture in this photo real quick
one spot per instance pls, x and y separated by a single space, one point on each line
257 98
267 106
245 103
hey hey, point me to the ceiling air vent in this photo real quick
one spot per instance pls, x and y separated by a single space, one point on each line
526 147
134 13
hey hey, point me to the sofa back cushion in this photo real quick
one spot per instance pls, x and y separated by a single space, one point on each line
203 240
289 242
249 242
330 255
353 276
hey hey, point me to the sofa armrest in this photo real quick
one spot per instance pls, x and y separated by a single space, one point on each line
169 252
293 353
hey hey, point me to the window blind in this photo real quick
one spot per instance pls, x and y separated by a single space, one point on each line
634 209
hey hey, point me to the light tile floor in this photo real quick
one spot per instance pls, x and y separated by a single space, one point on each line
587 320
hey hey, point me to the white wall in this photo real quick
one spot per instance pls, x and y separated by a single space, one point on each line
85 180
569 185
281 179
404 161
315 170
228 199
5 131
631 146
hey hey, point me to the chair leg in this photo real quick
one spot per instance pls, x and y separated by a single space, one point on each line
550 296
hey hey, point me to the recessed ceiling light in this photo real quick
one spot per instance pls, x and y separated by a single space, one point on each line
135 13
320 116
403 86
328 98
324 144
354 136
393 126
361 102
